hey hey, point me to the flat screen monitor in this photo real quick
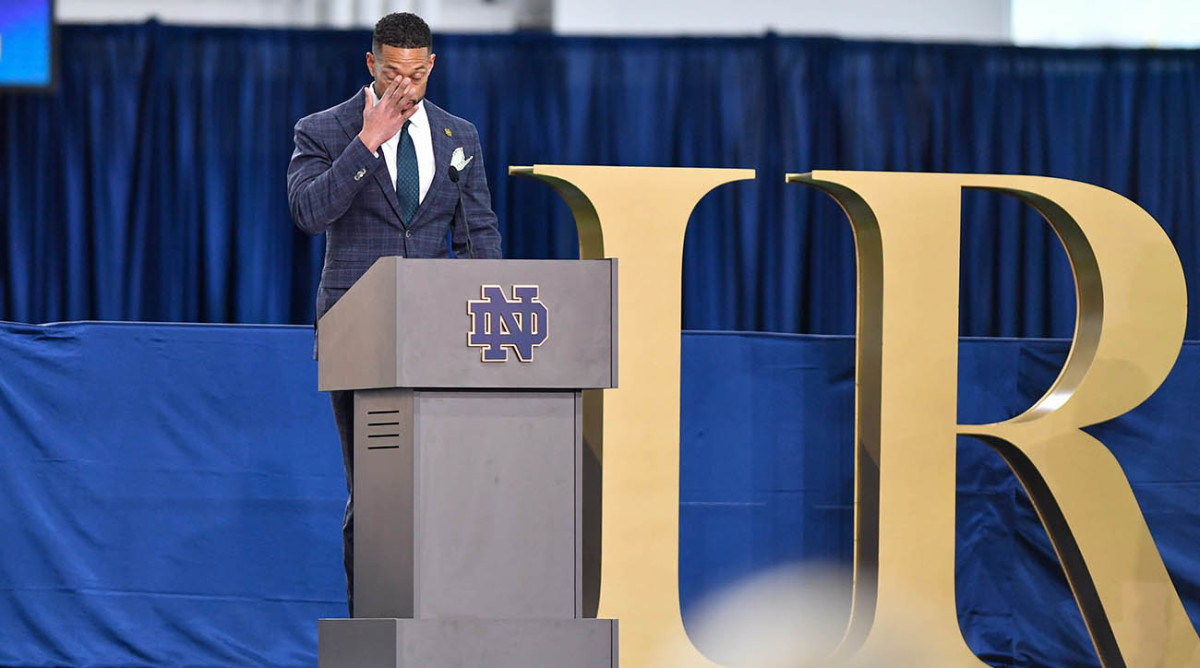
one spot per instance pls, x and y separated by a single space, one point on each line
26 44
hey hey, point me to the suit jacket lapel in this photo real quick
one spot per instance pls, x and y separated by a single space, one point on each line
351 120
443 146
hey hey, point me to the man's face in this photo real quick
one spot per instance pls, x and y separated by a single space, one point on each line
396 63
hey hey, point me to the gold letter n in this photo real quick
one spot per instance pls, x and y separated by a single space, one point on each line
1130 322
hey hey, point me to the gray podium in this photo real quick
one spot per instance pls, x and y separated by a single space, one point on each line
467 378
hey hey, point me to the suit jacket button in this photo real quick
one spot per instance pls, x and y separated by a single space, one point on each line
407 233
360 173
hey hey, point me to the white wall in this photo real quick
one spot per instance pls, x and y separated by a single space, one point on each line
206 12
971 20
442 15
1135 23
920 20
1051 22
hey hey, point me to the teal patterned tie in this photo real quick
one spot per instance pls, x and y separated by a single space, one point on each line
408 178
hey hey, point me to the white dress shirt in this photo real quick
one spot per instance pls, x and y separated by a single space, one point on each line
422 142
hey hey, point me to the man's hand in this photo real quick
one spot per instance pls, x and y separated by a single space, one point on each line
384 119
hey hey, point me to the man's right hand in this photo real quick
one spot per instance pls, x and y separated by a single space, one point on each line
383 119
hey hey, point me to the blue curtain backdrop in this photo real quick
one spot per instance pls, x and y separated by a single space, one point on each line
151 185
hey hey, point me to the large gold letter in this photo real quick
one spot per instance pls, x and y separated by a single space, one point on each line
1131 313
645 213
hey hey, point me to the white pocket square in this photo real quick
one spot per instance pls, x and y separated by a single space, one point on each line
458 161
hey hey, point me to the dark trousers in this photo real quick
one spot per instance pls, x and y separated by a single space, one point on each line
343 413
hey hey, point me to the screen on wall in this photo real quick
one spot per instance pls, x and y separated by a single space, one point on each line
26 43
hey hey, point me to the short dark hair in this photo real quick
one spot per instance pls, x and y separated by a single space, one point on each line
402 30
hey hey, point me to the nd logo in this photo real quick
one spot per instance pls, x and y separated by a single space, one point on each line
499 325
1131 314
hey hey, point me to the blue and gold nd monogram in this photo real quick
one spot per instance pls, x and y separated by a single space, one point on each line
499 324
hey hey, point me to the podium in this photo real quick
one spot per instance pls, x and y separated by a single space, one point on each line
467 380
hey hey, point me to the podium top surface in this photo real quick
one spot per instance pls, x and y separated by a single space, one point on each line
486 324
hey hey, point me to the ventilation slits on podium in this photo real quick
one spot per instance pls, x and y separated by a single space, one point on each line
383 429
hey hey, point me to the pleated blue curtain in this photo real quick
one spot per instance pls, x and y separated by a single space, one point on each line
150 186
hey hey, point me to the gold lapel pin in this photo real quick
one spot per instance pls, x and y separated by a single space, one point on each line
448 132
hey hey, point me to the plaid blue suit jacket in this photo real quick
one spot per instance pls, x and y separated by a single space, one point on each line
337 186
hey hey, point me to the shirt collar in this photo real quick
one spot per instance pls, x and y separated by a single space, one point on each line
419 119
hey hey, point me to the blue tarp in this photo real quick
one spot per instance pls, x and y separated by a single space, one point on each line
172 494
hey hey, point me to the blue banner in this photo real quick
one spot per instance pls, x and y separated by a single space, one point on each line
173 493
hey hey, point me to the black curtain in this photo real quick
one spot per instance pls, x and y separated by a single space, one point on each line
150 186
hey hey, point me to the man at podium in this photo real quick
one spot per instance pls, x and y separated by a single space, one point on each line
387 173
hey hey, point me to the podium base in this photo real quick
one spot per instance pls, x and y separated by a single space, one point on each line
467 643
